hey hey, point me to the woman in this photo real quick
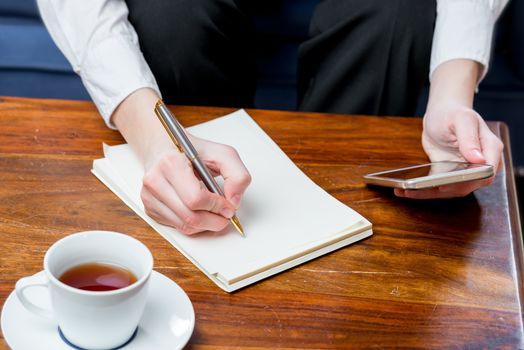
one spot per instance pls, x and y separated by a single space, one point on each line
363 57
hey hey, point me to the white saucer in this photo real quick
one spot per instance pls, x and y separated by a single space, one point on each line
167 322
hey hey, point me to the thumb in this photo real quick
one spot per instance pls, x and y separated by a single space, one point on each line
227 162
468 140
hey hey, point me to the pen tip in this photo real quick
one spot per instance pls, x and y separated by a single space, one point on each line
238 225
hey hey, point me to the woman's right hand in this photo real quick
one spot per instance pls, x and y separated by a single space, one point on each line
172 194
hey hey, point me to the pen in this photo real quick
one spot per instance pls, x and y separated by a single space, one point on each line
181 141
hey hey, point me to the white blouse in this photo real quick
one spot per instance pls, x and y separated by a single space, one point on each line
94 35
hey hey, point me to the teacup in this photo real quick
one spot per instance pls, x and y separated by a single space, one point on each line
92 319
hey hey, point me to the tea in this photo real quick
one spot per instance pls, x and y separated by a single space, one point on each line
98 277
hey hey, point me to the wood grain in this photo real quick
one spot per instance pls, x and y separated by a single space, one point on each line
435 274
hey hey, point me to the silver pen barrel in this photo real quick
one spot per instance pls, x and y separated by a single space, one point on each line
187 147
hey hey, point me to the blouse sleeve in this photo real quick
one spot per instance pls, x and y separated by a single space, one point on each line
102 47
464 30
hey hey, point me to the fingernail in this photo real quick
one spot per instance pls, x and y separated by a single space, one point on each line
227 213
235 200
477 153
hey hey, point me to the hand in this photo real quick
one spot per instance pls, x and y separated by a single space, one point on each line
172 194
457 133
454 131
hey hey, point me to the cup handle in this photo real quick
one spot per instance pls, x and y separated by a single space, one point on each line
30 282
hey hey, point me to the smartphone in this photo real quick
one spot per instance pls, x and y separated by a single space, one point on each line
430 175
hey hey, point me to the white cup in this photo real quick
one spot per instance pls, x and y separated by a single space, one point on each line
92 319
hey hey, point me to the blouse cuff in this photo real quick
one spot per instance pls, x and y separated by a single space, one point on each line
112 70
463 30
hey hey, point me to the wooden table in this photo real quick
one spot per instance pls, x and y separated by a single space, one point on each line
435 274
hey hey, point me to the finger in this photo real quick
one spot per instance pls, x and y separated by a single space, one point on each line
399 192
166 203
420 194
467 132
178 171
162 214
464 188
226 161
461 189
432 193
492 147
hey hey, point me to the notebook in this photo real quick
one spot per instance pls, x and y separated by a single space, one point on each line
287 218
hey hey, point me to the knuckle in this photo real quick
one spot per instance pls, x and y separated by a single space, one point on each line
186 229
145 196
166 162
215 202
171 157
194 200
149 181
192 220
183 229
169 161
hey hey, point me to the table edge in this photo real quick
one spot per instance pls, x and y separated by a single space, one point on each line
514 216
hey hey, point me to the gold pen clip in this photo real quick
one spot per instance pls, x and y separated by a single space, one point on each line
159 115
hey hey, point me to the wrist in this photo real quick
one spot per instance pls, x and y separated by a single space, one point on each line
138 124
454 83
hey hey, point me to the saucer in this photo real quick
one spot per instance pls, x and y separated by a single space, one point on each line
167 322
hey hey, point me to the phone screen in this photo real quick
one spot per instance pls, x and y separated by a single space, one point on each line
430 169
